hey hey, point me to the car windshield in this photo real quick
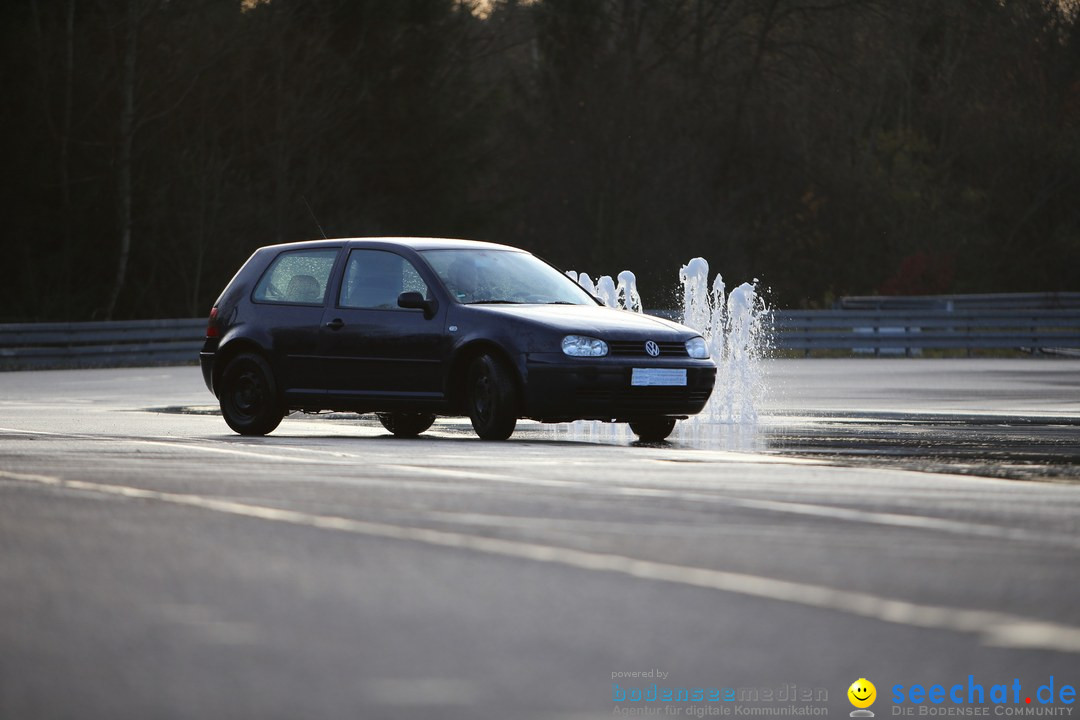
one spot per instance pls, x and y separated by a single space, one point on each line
503 276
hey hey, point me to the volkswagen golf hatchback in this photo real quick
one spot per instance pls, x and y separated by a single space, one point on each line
412 328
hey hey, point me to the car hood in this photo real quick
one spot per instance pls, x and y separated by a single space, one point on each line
599 321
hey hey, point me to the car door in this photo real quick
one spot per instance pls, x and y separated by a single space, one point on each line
290 299
373 348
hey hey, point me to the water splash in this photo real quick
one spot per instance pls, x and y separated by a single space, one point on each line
586 282
741 376
734 332
626 294
607 292
716 347
733 325
698 311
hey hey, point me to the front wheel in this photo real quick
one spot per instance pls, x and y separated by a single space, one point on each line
653 429
406 424
249 401
492 398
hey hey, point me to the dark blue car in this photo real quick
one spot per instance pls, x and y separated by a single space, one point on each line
411 328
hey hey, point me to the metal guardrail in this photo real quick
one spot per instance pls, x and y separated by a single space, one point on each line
879 332
100 344
954 303
910 331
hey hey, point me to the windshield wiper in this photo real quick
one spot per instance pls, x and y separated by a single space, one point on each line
494 302
561 302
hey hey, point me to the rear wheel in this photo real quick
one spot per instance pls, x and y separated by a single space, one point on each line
406 424
653 429
492 398
248 397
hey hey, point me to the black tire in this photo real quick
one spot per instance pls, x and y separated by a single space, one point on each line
404 424
492 398
248 396
653 429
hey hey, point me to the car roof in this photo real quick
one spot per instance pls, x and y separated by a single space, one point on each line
415 243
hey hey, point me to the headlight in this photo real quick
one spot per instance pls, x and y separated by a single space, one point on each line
696 348
582 346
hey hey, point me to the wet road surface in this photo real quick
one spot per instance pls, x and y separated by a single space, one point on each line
157 565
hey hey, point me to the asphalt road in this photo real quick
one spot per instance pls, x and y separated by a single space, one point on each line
155 565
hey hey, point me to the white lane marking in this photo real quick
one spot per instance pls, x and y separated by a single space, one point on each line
474 475
993 628
177 444
42 432
918 522
623 527
346 458
232 451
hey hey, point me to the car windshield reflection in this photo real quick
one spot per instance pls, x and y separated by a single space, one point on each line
503 277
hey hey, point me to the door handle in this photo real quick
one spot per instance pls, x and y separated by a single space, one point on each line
336 324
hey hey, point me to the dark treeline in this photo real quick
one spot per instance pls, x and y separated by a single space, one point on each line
827 147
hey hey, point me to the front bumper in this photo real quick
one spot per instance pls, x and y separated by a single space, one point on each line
561 389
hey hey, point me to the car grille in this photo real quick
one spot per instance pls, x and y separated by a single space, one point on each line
637 347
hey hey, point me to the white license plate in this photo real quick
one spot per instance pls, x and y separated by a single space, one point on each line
652 377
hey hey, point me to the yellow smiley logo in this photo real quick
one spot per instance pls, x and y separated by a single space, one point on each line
862 693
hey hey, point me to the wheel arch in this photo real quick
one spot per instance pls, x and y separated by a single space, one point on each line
459 366
230 350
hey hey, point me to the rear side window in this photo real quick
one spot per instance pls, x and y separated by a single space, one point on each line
375 278
298 277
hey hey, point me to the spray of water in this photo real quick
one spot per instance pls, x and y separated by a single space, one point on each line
733 325
626 294
734 332
586 282
606 291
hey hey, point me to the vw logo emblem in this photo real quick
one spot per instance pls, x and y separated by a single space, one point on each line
652 348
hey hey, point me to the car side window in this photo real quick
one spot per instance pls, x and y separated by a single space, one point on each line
375 278
298 277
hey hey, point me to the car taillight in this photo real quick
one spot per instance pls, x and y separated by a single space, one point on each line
212 330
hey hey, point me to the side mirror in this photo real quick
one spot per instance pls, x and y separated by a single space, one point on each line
415 301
